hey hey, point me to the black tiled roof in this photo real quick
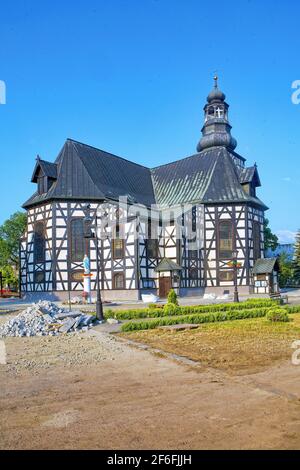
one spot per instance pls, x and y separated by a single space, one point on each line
87 173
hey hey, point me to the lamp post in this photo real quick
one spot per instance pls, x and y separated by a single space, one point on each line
88 234
235 270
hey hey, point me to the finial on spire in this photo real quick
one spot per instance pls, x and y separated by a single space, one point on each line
216 80
38 157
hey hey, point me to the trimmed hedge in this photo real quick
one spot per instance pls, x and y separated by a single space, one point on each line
292 309
277 314
196 318
168 310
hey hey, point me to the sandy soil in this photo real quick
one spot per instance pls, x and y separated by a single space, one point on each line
119 397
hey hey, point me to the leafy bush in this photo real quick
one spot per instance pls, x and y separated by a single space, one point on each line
151 306
195 318
277 314
172 297
171 309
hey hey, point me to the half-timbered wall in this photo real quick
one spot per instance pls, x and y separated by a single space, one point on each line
191 240
61 273
255 215
242 218
146 265
37 276
192 247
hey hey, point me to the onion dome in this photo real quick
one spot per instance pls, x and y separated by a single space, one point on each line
216 94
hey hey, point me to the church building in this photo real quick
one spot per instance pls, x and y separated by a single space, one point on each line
180 225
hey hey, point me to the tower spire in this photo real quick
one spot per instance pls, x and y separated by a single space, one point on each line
216 129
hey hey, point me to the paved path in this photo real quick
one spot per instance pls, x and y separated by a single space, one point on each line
293 294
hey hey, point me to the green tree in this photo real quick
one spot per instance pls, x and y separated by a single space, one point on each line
10 233
286 270
296 261
271 240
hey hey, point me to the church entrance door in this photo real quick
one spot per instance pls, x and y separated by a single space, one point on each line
164 286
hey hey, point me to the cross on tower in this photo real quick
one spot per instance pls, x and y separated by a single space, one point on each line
219 112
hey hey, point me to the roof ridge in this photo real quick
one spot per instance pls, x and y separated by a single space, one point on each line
108 153
185 158
91 177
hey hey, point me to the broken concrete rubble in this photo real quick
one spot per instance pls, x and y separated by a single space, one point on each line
45 318
112 321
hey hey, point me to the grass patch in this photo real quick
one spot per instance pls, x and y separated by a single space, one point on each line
237 347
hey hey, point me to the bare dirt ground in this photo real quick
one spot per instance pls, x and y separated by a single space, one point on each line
237 347
100 393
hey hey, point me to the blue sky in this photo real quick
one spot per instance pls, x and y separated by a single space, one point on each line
131 77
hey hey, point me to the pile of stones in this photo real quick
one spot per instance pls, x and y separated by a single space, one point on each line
45 318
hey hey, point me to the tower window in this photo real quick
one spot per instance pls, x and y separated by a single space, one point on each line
77 240
39 242
211 112
225 239
219 112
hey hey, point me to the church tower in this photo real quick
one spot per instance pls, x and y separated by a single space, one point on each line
216 129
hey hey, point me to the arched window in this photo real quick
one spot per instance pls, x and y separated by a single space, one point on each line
118 243
77 240
225 239
256 240
118 281
39 242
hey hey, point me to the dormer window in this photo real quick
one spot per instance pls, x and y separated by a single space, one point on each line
249 180
45 174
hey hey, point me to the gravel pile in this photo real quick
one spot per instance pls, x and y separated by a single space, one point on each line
45 318
36 354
